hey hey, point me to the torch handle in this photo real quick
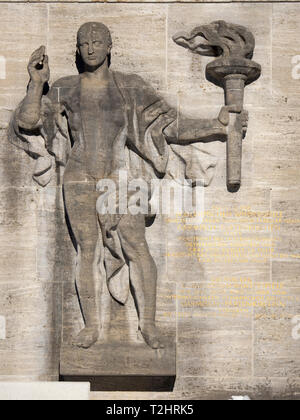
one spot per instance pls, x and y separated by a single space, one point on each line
234 97
234 155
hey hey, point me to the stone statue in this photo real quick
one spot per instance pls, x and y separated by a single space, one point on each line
94 125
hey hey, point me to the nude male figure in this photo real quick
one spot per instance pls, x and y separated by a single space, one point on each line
99 118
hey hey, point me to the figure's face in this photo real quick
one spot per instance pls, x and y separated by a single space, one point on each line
93 46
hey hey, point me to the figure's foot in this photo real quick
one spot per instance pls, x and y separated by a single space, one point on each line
87 337
152 337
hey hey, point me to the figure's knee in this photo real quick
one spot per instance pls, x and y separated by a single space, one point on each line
82 220
132 233
142 258
86 238
87 245
138 253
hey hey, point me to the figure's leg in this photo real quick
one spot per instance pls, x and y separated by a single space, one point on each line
80 202
143 275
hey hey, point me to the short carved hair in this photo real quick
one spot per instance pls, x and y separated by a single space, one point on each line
89 27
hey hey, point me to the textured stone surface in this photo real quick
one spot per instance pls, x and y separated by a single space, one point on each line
29 30
32 312
249 352
44 391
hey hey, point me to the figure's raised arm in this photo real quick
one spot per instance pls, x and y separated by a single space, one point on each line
37 125
30 110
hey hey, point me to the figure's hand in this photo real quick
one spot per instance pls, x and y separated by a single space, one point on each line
241 121
38 67
224 116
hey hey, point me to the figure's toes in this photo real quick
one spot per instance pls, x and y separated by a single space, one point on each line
157 344
86 339
84 344
154 343
152 338
80 342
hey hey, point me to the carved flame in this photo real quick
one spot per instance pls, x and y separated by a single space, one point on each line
218 39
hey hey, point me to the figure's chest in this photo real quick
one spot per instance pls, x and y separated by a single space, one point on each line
98 112
103 103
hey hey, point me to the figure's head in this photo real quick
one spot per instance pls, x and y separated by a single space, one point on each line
94 44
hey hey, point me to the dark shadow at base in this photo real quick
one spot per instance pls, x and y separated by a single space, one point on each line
126 383
233 188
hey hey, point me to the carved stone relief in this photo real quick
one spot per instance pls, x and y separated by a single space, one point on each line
104 125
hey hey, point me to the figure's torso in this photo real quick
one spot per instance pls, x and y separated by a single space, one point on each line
101 118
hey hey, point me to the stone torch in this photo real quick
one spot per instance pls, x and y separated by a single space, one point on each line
232 70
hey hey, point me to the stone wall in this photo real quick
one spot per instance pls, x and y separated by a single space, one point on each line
226 345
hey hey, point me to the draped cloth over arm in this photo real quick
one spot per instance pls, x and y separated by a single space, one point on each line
48 143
